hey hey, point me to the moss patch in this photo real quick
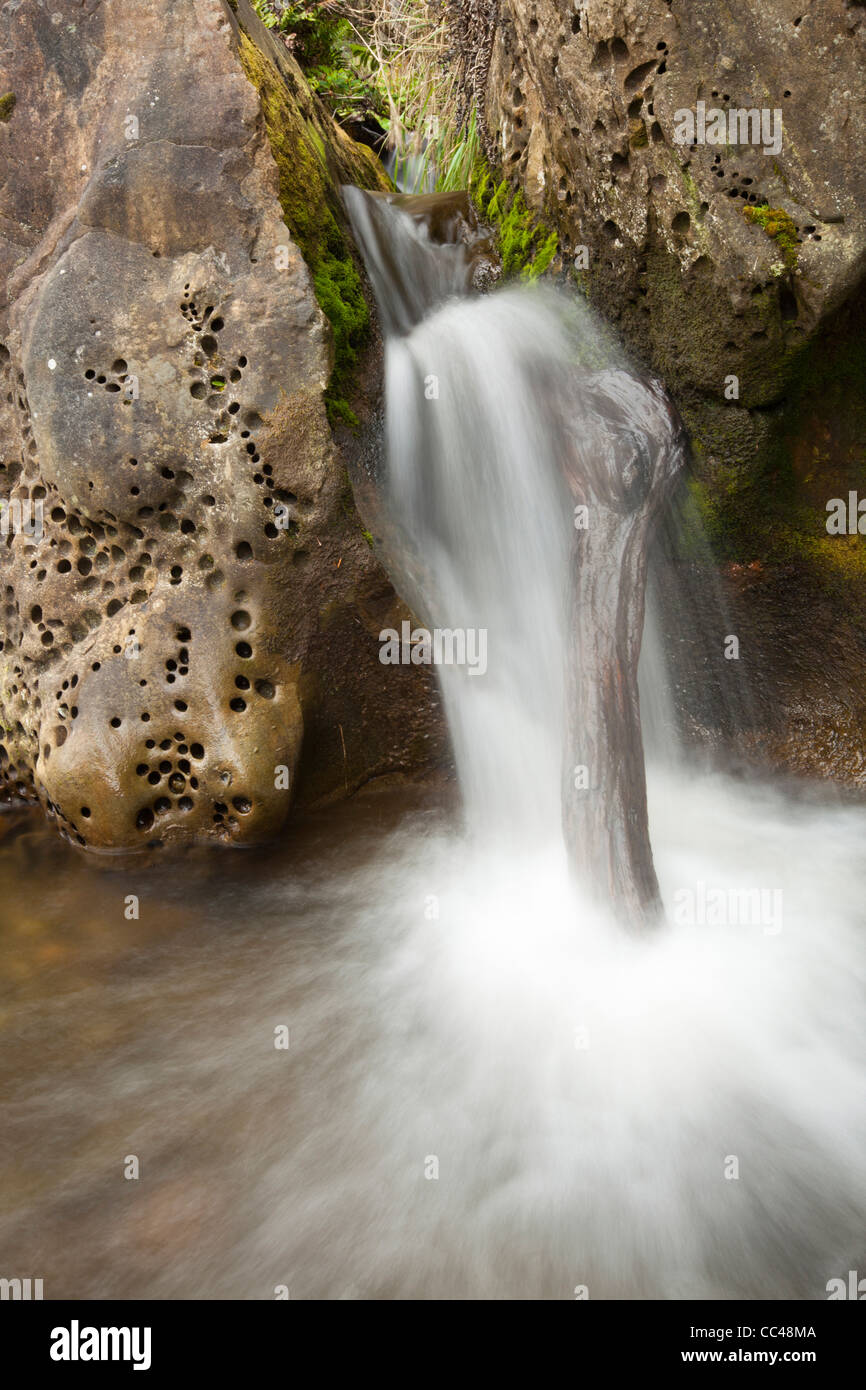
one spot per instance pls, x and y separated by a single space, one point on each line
527 247
774 509
777 225
7 106
311 210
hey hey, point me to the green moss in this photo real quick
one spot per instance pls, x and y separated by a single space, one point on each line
775 511
7 106
310 210
526 246
777 225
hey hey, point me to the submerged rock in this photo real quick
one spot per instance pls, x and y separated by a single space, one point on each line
190 620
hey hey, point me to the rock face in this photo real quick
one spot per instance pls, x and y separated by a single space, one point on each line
190 618
736 272
586 100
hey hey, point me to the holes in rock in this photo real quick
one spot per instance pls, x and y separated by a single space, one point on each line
637 75
787 304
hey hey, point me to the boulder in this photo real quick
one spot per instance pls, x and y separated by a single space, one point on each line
191 603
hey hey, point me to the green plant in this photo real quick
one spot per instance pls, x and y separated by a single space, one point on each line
527 247
343 90
777 225
266 14
307 202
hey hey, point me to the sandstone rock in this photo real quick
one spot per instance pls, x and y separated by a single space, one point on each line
705 285
190 636
585 99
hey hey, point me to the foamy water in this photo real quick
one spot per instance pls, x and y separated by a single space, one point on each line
581 1092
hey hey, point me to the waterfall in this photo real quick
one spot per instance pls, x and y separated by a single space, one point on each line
526 466
488 1092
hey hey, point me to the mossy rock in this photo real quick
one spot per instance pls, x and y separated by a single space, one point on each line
314 157
779 227
526 246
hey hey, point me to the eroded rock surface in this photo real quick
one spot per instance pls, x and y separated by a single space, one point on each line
585 99
190 627
736 275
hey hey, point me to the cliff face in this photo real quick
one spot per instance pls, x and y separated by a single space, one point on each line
734 266
586 100
190 619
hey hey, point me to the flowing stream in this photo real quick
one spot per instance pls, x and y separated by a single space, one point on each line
491 1090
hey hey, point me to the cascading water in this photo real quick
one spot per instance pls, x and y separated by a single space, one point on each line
525 469
490 1090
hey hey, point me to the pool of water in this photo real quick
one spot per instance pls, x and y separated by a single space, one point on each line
489 1089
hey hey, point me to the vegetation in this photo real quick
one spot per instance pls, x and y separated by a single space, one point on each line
305 198
389 64
777 225
526 246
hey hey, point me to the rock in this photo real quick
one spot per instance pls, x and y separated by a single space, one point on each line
672 258
734 274
190 636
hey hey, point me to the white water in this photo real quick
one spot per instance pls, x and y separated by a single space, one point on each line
473 486
451 996
433 990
